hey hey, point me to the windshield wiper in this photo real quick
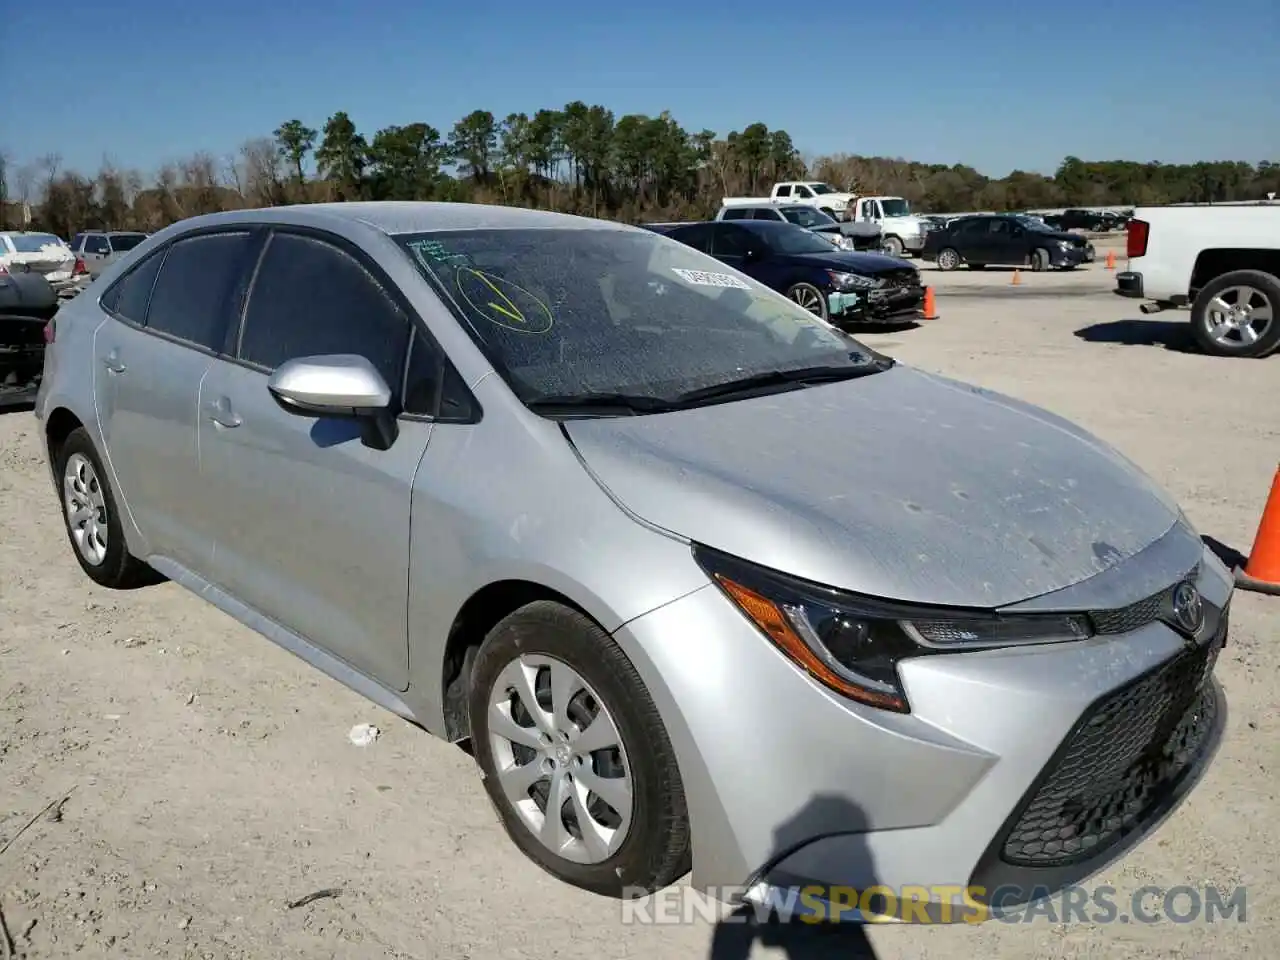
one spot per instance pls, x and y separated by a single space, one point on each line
798 377
600 404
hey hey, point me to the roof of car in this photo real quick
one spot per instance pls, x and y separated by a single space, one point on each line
406 216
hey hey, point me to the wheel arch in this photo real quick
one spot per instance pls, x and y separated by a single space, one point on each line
479 614
1213 263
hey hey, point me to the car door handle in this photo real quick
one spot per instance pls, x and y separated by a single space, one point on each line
220 413
112 362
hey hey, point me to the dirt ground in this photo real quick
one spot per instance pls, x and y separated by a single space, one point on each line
202 779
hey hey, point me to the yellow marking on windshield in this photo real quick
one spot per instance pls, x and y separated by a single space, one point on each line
510 310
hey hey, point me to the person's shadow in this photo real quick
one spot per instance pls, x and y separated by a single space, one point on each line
800 939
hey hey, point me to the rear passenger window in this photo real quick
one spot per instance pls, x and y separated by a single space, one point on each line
736 213
192 299
311 298
128 296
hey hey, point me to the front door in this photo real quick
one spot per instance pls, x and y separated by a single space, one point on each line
314 525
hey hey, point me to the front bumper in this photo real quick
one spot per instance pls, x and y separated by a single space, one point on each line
892 304
791 786
1074 257
1129 284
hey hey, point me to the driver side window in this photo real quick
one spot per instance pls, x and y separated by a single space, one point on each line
311 298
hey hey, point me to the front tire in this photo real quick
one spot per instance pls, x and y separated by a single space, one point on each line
1235 315
1040 260
92 517
811 298
561 720
893 246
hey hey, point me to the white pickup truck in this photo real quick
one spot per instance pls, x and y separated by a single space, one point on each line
810 193
1222 261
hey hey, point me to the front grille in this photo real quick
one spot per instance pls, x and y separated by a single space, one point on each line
899 279
1126 755
1142 612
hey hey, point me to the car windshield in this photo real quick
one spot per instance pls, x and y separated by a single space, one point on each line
125 241
786 238
821 188
577 313
895 207
807 217
34 242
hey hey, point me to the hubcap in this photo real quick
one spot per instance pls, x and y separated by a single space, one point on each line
809 299
86 508
946 259
561 761
1239 316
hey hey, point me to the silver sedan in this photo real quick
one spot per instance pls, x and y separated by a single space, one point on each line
707 583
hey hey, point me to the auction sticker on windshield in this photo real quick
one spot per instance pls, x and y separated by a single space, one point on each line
702 278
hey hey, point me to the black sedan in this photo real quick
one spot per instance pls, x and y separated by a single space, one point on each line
840 287
27 305
1007 240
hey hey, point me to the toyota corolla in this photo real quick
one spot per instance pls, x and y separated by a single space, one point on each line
707 583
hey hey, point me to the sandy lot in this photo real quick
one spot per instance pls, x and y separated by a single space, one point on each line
209 782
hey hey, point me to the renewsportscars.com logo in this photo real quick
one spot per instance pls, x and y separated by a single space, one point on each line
937 904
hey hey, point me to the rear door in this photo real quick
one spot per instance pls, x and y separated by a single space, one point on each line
696 235
170 316
313 524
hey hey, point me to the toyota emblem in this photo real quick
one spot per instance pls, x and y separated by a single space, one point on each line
1188 608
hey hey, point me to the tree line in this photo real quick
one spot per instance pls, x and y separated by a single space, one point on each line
578 159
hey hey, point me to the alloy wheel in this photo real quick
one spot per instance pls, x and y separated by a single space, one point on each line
1239 316
560 759
86 508
808 298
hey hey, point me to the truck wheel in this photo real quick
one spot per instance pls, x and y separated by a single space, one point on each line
893 246
1039 259
1235 315
809 297
948 258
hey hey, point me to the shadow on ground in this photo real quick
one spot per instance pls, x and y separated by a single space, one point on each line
1230 556
1170 334
797 939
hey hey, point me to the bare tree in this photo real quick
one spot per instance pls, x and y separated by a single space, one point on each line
48 166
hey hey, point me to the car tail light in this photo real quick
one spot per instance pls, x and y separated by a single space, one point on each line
4 271
80 269
49 332
1136 233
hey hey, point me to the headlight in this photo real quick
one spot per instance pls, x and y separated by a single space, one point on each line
852 644
1066 245
851 281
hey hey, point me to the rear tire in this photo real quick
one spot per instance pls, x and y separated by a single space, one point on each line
1251 299
634 764
91 517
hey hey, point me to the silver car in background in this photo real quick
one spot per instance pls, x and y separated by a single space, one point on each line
705 581
99 249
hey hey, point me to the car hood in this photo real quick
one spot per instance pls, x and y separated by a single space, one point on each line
903 485
867 264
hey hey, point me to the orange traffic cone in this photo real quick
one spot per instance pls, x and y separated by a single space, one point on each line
1111 259
1017 278
929 312
1262 573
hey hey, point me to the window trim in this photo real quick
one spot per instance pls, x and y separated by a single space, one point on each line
140 325
390 289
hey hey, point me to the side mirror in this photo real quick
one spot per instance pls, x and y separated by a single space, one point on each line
338 385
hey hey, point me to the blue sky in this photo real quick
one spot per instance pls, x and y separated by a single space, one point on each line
993 84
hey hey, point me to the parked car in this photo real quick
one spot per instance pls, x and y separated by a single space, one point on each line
28 303
1077 219
1223 262
840 287
1008 240
690 568
99 249
45 254
845 236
